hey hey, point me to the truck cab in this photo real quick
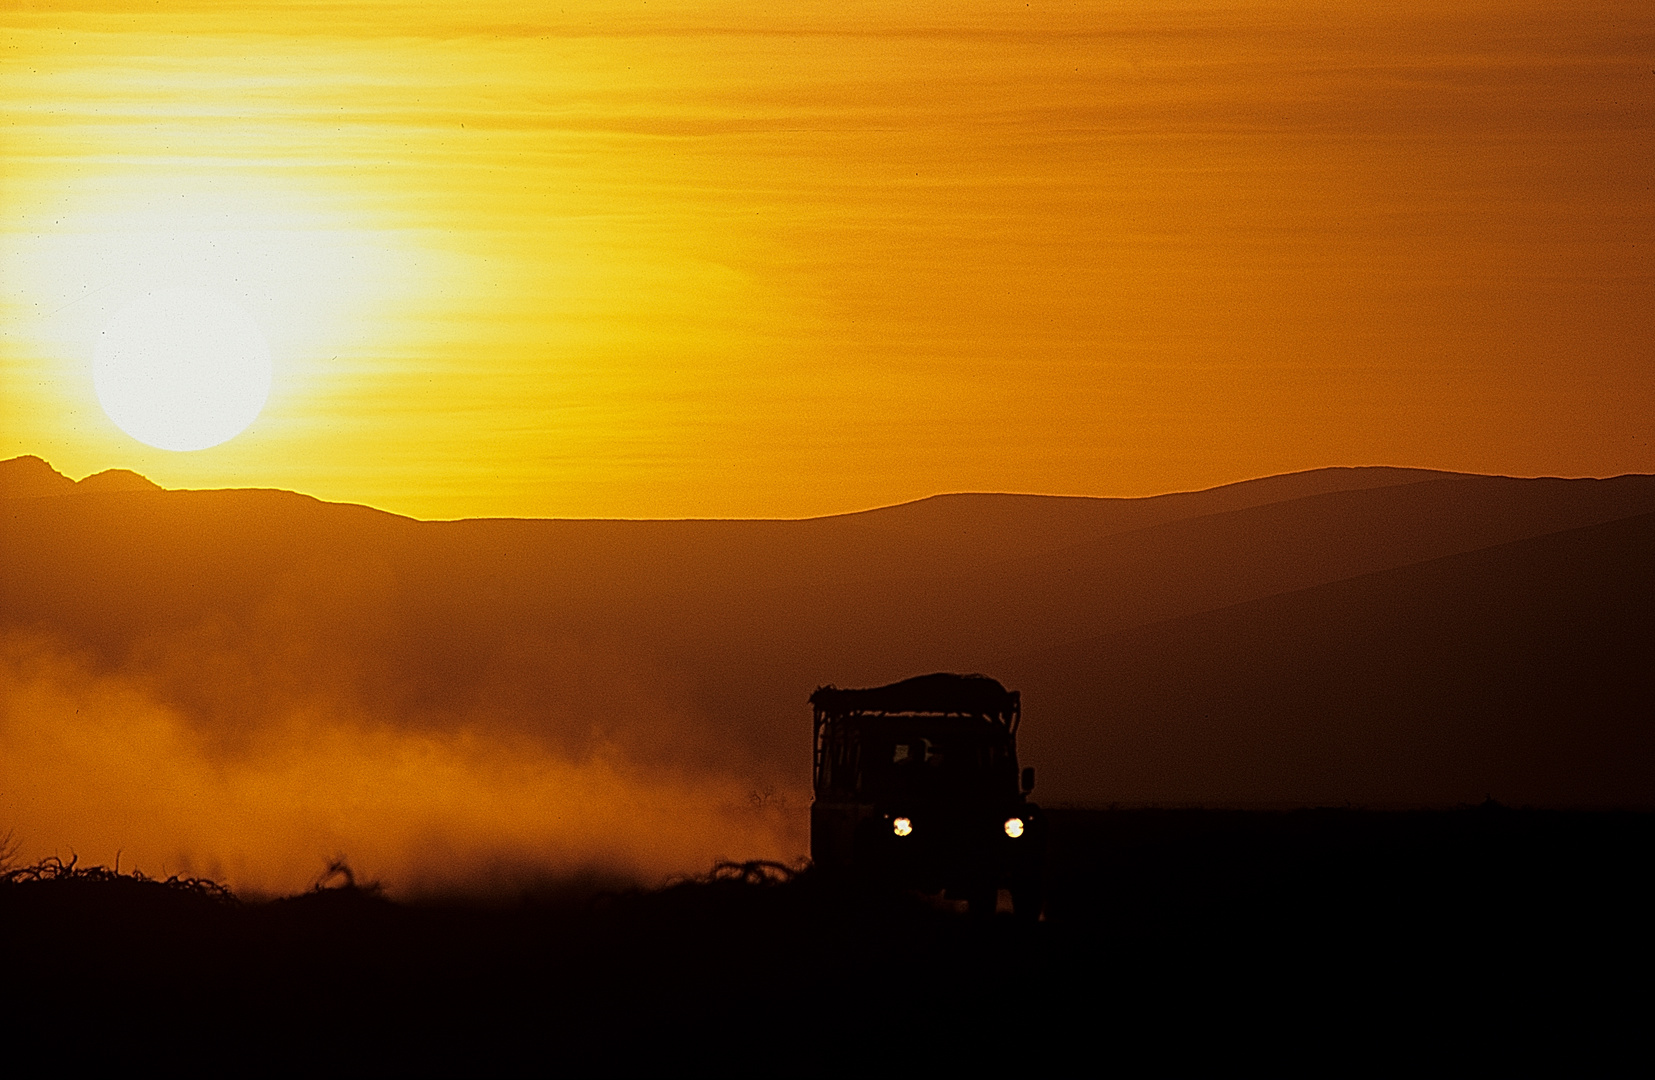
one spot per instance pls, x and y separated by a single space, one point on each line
917 785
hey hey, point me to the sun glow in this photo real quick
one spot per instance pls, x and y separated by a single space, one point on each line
182 369
186 304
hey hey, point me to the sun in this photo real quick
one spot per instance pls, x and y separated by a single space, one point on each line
182 369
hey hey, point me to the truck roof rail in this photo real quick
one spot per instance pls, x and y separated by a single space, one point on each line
941 694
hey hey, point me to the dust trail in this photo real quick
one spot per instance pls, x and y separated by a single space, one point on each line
97 761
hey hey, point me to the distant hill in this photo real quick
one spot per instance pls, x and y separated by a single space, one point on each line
116 480
30 476
1183 647
33 477
1522 670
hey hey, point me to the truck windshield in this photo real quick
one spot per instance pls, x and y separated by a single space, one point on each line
939 763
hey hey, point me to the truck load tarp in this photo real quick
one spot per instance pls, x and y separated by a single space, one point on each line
969 695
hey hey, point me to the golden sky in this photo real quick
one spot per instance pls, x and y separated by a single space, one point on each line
720 259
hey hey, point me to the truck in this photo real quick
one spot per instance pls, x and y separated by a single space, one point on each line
917 785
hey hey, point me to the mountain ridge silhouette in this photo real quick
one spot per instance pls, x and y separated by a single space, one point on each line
239 604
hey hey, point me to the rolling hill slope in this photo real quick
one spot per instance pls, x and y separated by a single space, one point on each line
1520 671
243 606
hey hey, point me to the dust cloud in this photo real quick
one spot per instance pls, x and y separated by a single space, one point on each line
100 760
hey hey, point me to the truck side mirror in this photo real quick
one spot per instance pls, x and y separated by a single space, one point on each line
1028 779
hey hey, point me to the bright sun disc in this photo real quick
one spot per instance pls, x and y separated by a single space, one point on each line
182 369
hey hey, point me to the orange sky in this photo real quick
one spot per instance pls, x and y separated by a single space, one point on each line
651 259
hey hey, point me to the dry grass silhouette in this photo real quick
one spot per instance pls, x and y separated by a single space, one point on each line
54 868
1175 937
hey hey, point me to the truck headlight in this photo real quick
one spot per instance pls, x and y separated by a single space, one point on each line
902 826
1014 827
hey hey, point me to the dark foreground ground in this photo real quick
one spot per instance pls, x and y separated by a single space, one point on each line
1482 939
